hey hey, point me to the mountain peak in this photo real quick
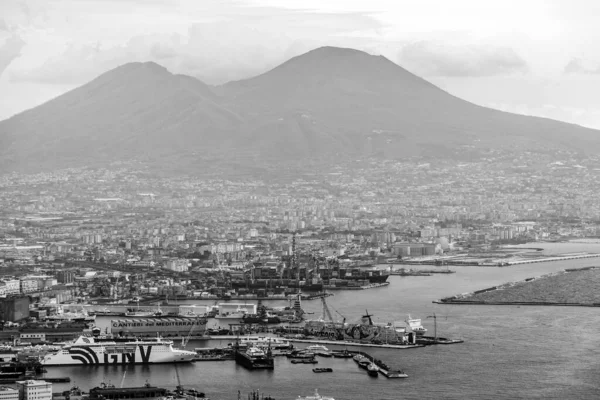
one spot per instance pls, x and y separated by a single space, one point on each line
148 68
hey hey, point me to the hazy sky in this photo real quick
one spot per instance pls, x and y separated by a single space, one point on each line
528 56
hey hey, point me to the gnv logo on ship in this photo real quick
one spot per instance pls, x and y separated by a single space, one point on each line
87 356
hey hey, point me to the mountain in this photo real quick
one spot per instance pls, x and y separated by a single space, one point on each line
334 96
136 110
328 104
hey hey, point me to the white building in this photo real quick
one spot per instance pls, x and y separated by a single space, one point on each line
13 286
177 265
29 285
7 393
34 390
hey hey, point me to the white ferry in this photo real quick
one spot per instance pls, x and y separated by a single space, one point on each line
92 351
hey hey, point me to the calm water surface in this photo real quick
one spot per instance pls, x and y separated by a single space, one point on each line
510 352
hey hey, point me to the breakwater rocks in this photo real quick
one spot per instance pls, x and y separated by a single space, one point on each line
570 287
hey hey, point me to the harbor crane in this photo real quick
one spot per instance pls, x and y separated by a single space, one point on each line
326 312
186 339
434 326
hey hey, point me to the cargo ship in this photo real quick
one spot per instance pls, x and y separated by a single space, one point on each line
98 351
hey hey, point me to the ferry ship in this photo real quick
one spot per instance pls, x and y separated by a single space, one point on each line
96 351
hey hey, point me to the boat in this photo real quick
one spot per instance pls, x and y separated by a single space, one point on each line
304 361
254 358
99 351
319 350
416 326
320 370
358 357
235 310
365 331
316 396
341 354
373 370
62 315
265 341
260 319
110 392
300 354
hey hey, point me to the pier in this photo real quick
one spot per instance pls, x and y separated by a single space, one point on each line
369 286
384 369
357 344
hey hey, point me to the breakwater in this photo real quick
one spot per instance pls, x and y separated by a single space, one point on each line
574 287
491 261
369 286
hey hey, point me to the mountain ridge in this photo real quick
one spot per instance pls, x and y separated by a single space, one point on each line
329 102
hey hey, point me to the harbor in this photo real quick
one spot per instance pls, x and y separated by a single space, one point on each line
419 364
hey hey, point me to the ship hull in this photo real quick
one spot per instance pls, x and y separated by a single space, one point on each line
247 362
133 354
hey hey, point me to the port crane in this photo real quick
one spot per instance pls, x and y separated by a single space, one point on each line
434 326
326 312
186 339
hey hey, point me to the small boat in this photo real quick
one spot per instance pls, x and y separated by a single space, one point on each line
373 370
341 354
304 361
316 396
301 354
319 350
318 370
359 357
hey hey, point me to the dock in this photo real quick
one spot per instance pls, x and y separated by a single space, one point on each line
357 344
384 369
369 286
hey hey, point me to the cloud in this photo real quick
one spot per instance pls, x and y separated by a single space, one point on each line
80 63
577 66
10 50
3 25
438 59
244 42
